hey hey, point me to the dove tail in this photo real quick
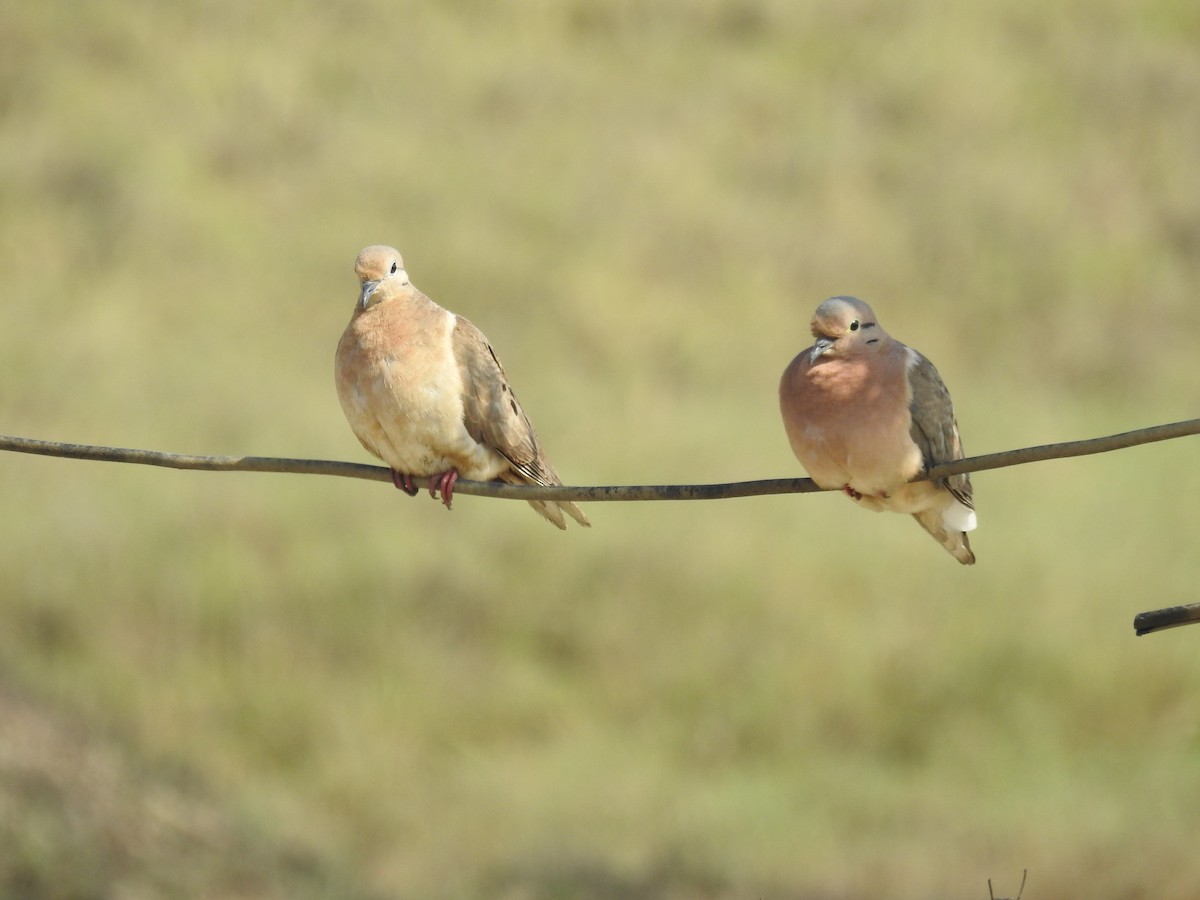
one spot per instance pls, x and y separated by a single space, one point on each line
550 510
955 542
553 511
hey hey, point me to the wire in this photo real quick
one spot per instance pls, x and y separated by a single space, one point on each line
591 494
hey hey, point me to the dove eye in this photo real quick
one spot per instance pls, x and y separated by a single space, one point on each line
854 325
394 267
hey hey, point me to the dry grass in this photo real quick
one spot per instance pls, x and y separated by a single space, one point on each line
781 697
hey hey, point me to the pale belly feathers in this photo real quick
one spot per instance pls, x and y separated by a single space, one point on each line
405 405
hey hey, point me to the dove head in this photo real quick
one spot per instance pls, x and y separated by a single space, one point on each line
378 267
845 326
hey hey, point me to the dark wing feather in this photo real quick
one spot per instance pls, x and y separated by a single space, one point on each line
491 412
934 428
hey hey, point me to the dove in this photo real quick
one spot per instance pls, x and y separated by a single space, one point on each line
423 390
865 414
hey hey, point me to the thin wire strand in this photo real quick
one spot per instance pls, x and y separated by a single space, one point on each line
591 494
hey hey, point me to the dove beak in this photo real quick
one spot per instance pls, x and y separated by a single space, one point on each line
368 288
819 349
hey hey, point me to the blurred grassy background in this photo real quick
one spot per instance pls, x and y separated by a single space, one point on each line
260 686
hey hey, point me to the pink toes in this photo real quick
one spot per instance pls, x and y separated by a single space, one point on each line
404 482
439 485
444 484
857 495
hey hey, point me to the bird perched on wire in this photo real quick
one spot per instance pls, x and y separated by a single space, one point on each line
423 390
865 414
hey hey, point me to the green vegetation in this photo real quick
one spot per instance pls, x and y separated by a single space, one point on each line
779 697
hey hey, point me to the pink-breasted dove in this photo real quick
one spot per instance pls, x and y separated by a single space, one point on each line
865 414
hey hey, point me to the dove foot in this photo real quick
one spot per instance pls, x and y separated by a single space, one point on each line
444 484
858 495
404 482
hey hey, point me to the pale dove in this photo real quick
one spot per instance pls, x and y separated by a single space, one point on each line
423 391
865 414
